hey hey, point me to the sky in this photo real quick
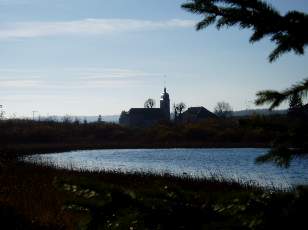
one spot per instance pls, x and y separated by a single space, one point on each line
90 57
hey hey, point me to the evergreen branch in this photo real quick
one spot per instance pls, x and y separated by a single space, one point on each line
289 32
275 98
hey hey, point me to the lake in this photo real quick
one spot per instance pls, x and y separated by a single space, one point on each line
233 163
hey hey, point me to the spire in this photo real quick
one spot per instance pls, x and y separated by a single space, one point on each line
165 103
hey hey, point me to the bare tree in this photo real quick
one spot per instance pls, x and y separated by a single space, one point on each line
150 103
1 112
223 109
67 119
178 110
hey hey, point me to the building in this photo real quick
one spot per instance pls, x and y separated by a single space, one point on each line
165 104
197 114
144 117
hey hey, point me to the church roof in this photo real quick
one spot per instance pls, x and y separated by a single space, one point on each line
147 112
145 116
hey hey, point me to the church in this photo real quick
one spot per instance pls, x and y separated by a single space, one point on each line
145 117
148 116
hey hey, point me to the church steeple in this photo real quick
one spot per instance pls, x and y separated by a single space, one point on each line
165 103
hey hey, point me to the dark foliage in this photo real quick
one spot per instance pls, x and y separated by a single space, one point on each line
274 98
27 136
288 31
30 137
36 197
295 105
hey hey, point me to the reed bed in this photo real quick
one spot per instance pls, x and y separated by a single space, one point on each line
45 197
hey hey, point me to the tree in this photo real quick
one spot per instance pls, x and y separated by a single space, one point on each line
295 105
178 111
76 121
100 119
1 112
275 98
150 103
67 119
223 109
289 32
123 120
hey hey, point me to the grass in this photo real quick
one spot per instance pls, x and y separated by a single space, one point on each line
41 197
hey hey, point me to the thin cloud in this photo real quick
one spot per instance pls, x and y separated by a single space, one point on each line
88 74
75 78
19 83
87 27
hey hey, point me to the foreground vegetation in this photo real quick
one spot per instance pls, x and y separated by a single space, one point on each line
37 197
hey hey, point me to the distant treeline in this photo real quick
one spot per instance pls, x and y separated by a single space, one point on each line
27 136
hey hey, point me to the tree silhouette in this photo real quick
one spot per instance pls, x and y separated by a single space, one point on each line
223 109
100 119
295 105
1 112
289 32
178 111
275 98
149 103
124 118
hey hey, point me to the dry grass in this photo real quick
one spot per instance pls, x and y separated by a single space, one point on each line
43 197
30 191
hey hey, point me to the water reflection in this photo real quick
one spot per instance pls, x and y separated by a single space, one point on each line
237 164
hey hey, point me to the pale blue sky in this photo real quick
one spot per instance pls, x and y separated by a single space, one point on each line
89 57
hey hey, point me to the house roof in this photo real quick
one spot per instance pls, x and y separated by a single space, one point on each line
198 113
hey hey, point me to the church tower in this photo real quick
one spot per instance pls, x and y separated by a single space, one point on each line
165 103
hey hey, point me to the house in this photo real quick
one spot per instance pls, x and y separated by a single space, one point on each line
197 114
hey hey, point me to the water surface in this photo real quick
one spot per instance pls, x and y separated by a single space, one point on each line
232 163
